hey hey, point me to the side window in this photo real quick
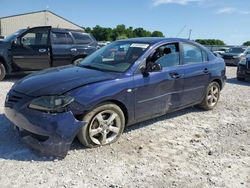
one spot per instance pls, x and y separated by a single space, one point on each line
81 38
192 54
35 37
61 38
167 55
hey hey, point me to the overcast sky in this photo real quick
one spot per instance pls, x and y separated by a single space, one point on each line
227 20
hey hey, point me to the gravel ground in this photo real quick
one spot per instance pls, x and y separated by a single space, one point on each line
189 148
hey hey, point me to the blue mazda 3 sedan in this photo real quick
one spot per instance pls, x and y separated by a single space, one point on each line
121 84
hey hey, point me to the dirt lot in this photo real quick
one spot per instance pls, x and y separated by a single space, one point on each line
189 148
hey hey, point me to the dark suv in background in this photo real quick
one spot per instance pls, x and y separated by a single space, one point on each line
243 69
43 47
235 54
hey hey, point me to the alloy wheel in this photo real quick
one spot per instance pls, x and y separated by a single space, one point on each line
213 95
104 127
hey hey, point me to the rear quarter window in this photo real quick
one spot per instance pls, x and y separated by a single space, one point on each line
81 38
61 38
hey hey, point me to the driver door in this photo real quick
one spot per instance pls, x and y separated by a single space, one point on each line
32 50
161 91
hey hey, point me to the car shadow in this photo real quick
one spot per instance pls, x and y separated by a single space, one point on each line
162 118
237 82
11 147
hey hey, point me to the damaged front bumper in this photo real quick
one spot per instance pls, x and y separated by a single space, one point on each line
60 129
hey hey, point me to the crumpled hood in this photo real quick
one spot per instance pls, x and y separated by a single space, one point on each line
57 81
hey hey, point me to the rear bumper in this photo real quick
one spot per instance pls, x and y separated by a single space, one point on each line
60 129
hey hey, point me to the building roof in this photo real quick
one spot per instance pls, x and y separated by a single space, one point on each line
40 12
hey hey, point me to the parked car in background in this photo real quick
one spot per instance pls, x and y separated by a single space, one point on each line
123 83
103 43
235 54
221 50
43 47
243 69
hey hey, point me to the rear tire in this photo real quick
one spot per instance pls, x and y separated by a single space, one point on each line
2 71
211 97
105 125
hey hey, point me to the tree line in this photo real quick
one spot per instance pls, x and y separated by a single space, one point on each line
123 32
120 32
216 42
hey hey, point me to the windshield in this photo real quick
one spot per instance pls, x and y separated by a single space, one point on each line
13 36
236 50
115 57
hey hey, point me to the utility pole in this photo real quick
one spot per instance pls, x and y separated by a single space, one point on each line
190 32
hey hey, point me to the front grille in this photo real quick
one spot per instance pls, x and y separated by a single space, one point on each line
13 98
228 57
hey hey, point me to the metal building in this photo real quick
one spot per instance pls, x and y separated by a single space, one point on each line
11 24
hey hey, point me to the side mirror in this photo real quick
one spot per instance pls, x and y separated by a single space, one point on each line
150 67
156 67
144 71
16 42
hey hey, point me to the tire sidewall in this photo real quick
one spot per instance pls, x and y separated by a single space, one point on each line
2 71
207 106
83 134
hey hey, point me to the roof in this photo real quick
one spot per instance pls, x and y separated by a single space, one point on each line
154 40
41 12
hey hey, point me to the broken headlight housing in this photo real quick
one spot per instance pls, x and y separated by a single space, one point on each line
51 104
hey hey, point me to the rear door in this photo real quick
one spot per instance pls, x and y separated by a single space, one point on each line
32 50
196 75
62 48
85 44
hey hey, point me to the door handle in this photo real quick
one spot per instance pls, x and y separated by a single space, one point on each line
206 71
42 50
175 75
73 49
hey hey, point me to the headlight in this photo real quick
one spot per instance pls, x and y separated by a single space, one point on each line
243 61
51 103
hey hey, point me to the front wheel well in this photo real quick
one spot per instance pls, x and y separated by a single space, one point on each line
4 63
77 57
218 81
119 104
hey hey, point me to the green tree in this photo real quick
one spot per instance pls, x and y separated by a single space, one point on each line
210 42
120 32
140 32
120 37
157 34
247 43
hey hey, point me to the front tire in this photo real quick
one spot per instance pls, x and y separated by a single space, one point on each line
105 125
211 97
2 71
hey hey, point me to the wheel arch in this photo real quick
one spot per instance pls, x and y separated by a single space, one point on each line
2 60
120 105
218 81
77 57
